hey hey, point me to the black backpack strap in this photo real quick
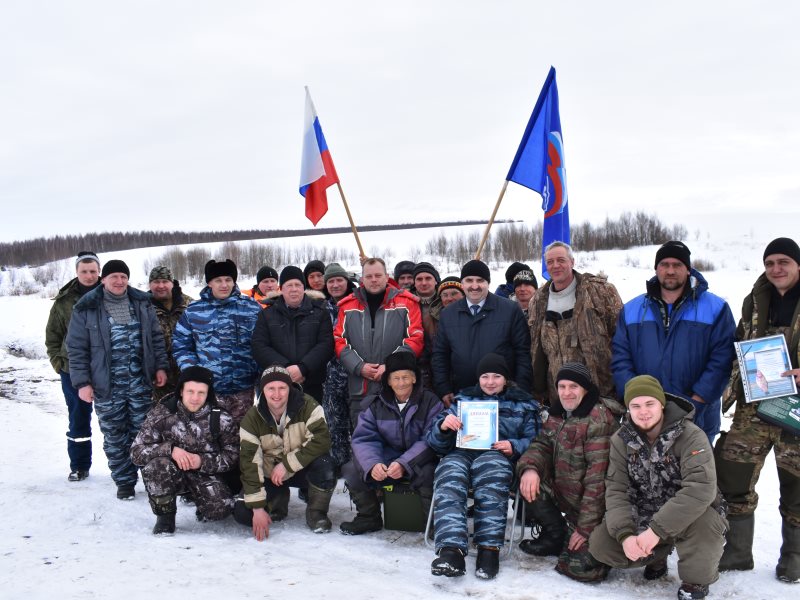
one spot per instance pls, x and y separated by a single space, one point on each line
216 412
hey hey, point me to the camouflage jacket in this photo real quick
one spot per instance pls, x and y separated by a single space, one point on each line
665 486
584 338
571 457
168 318
170 425
55 336
304 439
216 334
755 324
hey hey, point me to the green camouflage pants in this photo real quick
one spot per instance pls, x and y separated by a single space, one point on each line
740 456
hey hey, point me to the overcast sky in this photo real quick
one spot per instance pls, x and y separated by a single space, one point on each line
188 115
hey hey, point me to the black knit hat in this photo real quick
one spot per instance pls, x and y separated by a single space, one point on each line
275 373
291 272
266 272
515 268
525 276
216 269
674 249
404 267
115 266
493 363
783 245
86 256
313 266
426 267
577 373
450 282
476 268
200 375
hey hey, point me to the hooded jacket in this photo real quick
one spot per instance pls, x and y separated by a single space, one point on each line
304 439
665 486
692 355
55 336
384 434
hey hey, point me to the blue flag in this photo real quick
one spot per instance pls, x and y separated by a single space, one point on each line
539 164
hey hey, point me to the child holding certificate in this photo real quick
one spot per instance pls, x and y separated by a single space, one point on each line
480 444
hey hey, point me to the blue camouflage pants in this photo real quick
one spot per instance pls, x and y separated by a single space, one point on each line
79 434
121 416
489 475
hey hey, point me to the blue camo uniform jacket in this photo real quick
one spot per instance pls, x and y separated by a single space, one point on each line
89 341
520 419
304 439
216 334
694 356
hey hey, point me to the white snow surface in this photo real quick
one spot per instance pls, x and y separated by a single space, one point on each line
76 540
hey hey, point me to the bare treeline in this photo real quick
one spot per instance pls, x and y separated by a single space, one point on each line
43 250
629 230
249 258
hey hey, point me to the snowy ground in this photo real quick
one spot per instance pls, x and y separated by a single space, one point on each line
77 541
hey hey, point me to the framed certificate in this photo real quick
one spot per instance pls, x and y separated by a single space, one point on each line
761 362
479 424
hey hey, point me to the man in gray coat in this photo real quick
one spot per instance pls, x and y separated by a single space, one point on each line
116 352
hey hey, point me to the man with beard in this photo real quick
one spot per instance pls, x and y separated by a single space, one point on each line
169 302
661 491
681 334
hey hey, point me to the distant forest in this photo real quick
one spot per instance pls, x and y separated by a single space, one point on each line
39 251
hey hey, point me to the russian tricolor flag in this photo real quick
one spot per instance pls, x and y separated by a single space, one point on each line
317 172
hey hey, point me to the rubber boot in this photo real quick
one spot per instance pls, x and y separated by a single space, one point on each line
278 503
738 552
368 513
553 531
164 507
788 568
487 564
319 500
449 563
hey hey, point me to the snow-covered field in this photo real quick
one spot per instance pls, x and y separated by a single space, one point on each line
68 540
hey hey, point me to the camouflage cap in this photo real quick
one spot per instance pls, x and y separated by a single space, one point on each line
161 272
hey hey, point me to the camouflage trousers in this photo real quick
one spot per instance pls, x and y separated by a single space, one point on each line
213 498
740 454
489 475
237 404
120 418
335 404
699 548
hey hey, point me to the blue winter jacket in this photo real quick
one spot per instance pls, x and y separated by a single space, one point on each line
89 341
520 419
693 357
463 339
216 334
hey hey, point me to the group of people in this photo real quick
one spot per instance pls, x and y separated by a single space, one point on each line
606 412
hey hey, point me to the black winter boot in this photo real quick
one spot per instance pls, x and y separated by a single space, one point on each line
278 503
368 514
164 508
788 568
692 591
319 500
449 563
553 529
488 563
738 552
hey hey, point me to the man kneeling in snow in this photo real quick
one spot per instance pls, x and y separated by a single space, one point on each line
285 443
187 444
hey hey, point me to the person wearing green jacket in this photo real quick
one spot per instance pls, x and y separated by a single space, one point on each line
79 434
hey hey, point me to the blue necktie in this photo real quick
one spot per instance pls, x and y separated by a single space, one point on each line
475 308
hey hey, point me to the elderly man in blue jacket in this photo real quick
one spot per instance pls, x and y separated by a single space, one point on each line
681 334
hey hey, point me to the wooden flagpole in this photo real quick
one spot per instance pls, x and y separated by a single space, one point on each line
363 256
491 220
